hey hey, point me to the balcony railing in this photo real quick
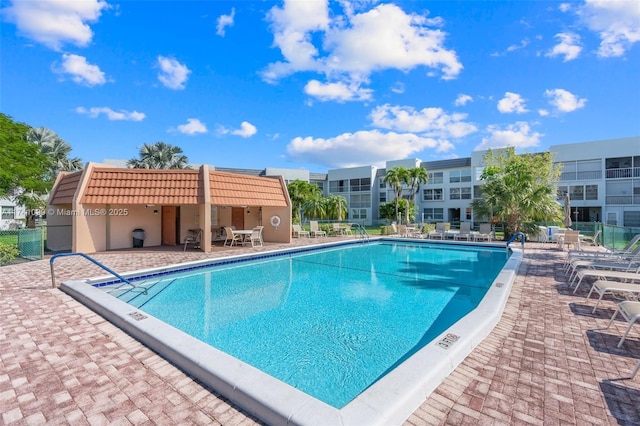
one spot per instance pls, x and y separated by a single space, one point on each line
625 172
568 176
619 199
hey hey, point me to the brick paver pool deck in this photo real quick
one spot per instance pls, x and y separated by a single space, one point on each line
548 362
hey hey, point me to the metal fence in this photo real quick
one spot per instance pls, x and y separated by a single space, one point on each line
28 244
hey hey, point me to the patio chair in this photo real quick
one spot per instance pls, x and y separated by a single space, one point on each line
315 229
605 275
627 249
402 230
193 239
591 241
256 237
299 232
465 231
629 291
438 233
346 230
231 237
484 233
337 229
570 238
614 264
630 311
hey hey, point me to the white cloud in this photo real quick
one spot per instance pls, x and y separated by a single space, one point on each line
361 148
432 122
564 101
518 135
564 7
193 127
462 100
398 87
112 115
512 102
543 112
616 22
339 91
569 46
54 23
356 44
80 70
225 21
172 74
246 130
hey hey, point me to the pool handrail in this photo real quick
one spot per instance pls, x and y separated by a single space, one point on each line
361 231
112 272
513 238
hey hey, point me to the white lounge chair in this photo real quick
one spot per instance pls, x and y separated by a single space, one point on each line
484 233
465 231
315 229
605 275
603 287
630 310
299 232
626 250
438 233
612 264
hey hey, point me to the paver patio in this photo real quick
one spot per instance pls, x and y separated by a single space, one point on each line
546 363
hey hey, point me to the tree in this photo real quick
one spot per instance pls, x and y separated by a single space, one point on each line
336 207
519 190
415 177
300 192
56 149
315 207
159 155
24 169
395 178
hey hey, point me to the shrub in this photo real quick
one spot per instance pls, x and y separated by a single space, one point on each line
8 252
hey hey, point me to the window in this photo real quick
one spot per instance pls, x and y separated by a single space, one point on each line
562 191
457 176
320 185
589 169
433 215
338 186
432 194
468 213
465 193
454 193
360 200
479 171
577 192
591 192
631 218
358 214
382 184
361 184
436 177
8 212
383 197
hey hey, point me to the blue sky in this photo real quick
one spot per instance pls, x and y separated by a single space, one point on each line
321 85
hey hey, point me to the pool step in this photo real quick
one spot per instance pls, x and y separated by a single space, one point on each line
137 298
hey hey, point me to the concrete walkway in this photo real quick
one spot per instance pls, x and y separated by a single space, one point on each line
545 364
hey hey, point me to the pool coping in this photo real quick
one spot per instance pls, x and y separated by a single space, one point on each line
391 400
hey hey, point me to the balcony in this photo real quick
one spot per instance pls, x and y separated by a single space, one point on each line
625 172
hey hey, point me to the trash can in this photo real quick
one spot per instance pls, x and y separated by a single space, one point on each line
138 237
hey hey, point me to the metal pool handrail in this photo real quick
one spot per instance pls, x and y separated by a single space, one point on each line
513 238
55 256
361 230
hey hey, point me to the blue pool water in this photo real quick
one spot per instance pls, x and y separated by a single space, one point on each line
328 322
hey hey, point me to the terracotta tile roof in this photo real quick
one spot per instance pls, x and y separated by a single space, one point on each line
231 189
110 185
65 189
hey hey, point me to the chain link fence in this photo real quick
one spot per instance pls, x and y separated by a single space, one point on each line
22 244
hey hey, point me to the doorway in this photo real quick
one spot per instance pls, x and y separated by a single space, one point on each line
170 225
237 217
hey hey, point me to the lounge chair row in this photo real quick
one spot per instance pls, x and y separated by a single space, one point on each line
298 232
616 274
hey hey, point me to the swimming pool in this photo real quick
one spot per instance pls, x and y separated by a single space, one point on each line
370 302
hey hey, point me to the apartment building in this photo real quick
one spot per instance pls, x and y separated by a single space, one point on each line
601 177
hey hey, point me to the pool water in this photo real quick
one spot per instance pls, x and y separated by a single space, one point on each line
328 322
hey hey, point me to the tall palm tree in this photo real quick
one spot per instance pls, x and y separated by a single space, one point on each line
56 149
299 193
415 177
336 206
159 155
395 178
315 207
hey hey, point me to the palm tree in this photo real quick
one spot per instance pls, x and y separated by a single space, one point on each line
336 206
315 207
519 190
415 177
299 193
56 149
395 178
159 155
